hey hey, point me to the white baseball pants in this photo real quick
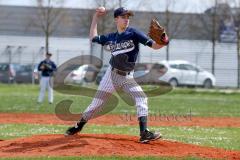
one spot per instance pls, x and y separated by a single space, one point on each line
46 83
109 83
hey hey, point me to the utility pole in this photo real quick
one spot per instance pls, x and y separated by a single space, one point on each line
214 23
238 54
167 15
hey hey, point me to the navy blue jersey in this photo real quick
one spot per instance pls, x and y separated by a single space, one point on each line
124 47
49 68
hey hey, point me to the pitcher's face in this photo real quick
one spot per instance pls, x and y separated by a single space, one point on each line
122 21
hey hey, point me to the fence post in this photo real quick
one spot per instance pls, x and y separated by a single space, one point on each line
238 55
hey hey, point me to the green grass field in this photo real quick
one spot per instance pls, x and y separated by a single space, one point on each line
22 98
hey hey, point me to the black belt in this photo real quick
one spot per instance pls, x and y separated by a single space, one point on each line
120 72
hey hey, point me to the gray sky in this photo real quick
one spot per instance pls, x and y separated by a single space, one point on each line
193 6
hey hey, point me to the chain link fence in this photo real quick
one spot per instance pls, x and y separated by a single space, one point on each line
197 52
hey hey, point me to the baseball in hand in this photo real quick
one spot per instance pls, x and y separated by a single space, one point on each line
42 67
100 11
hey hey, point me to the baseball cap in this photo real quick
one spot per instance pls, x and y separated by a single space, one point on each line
122 11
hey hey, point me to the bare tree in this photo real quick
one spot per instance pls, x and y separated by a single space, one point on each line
106 24
231 16
238 52
49 18
214 31
102 26
210 22
236 15
174 23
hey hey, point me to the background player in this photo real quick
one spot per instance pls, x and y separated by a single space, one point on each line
124 46
47 68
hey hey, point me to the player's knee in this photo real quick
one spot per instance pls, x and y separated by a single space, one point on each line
142 110
142 101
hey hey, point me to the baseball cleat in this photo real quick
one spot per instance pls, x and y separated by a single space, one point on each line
72 130
147 136
77 128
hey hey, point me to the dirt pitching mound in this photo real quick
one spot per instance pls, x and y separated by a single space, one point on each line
105 145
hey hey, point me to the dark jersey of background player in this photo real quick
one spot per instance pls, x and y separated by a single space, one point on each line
49 68
124 47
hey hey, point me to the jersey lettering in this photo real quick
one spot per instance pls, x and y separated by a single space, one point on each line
122 47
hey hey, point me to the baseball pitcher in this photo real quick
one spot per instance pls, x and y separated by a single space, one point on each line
124 46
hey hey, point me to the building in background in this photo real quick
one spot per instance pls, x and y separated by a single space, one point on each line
20 42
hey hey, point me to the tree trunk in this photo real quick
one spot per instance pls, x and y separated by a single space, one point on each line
103 30
46 43
102 56
120 3
167 53
47 32
238 55
168 30
214 21
91 51
213 56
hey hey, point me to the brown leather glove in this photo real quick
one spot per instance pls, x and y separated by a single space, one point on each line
158 33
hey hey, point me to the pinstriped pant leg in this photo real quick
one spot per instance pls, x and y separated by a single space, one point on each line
105 90
135 91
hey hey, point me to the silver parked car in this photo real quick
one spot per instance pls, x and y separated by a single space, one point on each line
181 72
82 74
16 73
